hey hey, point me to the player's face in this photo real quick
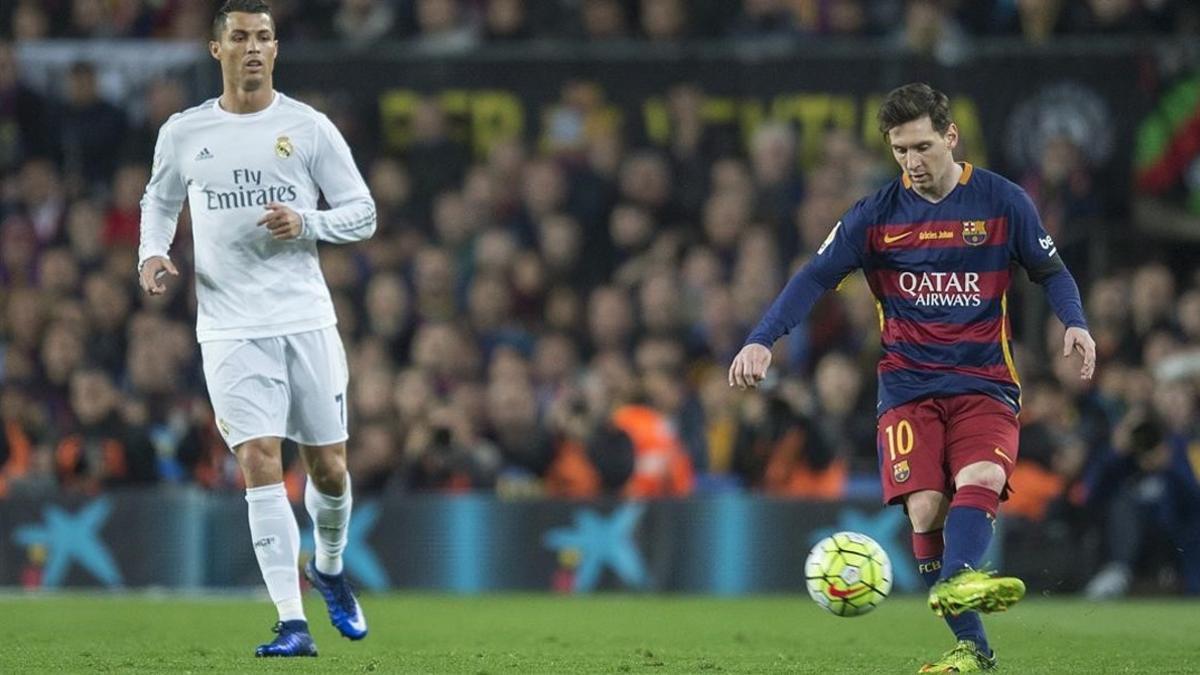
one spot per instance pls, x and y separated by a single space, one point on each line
247 49
924 154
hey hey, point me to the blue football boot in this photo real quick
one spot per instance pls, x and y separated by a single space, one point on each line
292 639
344 612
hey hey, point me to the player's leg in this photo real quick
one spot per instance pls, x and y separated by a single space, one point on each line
276 537
981 447
250 401
910 445
318 378
328 499
912 466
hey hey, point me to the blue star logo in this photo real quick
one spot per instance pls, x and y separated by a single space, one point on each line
359 558
885 527
68 538
602 542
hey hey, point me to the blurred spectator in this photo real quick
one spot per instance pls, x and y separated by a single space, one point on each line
779 451
360 23
661 466
17 438
42 200
23 114
122 223
442 27
774 158
1062 189
929 30
162 98
1107 16
592 457
1149 490
514 427
506 21
603 20
1151 297
663 20
30 21
441 159
762 19
100 450
842 414
610 320
91 130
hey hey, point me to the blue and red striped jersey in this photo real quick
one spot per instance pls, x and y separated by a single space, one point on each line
939 273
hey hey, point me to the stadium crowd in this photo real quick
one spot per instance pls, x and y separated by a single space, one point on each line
558 320
935 26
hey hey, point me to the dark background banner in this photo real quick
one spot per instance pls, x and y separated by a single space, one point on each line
1008 102
730 544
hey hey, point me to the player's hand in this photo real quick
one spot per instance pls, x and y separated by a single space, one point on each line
1079 340
749 366
282 221
153 272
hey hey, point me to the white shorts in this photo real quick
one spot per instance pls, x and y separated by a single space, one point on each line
292 386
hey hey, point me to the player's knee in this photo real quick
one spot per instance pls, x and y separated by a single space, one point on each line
926 510
260 461
327 468
988 475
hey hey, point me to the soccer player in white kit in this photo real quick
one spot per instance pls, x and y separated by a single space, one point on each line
251 165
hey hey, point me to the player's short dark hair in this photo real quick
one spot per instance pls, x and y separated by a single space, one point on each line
912 102
247 6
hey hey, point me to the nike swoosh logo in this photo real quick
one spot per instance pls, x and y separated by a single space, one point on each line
1000 452
358 622
891 239
842 595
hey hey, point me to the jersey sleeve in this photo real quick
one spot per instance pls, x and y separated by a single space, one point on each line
351 216
842 251
840 254
1034 249
1029 243
164 196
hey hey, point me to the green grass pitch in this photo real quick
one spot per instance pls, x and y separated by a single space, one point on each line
599 634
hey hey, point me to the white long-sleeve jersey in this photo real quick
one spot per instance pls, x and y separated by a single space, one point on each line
229 167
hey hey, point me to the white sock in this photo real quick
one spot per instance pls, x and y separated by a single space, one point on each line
276 538
331 521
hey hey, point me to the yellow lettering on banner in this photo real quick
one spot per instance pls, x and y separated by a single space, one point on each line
495 116
871 138
396 109
484 117
480 118
966 117
656 120
750 118
814 113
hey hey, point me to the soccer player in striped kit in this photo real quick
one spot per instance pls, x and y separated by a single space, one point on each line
938 246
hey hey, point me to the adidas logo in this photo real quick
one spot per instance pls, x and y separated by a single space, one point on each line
204 154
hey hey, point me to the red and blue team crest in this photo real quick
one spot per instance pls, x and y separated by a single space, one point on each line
900 471
974 232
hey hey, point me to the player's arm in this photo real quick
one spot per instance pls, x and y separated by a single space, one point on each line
160 212
351 216
1034 249
838 256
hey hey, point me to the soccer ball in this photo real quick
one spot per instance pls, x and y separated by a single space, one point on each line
848 573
